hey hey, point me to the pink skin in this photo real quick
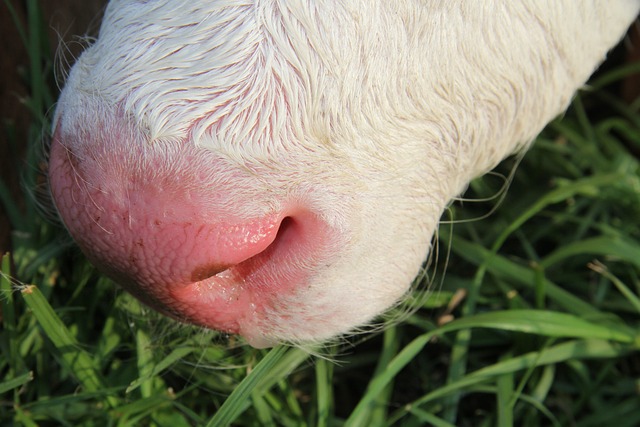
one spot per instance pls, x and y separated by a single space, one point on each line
197 266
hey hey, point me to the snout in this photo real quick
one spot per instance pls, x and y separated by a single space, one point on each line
158 225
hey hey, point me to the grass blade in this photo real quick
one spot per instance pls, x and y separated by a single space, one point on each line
76 360
240 399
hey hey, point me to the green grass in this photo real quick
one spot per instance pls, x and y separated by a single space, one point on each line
547 331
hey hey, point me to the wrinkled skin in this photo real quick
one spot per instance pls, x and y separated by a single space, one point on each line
277 169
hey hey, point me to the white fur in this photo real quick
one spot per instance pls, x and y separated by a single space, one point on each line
374 114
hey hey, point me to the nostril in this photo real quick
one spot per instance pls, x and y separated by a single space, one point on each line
285 229
291 236
283 235
206 271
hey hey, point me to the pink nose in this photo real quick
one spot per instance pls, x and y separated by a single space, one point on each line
176 251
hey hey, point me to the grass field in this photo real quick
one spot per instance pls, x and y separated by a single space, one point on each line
532 317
